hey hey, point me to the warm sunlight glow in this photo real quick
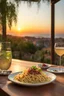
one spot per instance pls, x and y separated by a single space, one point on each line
34 22
19 29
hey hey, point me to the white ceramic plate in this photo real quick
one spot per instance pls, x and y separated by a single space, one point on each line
11 78
56 69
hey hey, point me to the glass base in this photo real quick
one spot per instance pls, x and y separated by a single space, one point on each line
5 72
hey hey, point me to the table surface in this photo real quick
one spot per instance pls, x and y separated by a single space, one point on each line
55 88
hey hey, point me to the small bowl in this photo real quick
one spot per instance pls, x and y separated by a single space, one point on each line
44 66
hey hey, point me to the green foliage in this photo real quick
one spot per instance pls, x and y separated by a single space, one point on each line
25 50
47 61
21 48
0 38
8 9
39 56
29 47
8 13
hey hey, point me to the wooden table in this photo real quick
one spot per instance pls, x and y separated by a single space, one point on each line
55 88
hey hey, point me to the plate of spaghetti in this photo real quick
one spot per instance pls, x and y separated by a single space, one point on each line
32 76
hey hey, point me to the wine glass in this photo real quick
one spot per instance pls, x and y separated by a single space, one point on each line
5 55
59 49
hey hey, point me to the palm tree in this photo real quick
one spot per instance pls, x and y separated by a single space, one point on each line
8 13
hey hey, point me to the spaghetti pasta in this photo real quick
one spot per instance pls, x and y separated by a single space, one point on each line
32 75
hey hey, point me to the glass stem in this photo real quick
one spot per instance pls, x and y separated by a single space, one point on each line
60 60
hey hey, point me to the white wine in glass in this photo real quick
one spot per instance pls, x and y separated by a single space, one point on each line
59 49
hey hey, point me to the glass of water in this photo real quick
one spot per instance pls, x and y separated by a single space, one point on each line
5 55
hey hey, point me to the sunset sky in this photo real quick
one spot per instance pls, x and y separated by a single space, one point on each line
34 21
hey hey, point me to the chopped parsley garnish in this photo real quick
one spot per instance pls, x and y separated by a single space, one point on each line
35 68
